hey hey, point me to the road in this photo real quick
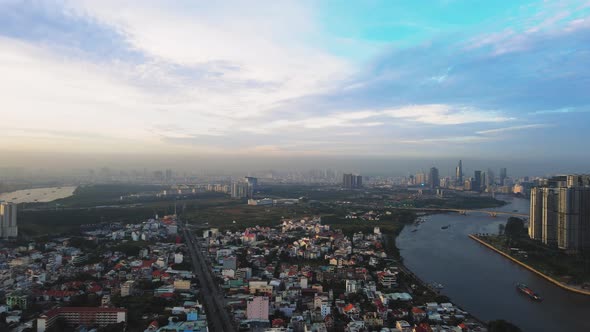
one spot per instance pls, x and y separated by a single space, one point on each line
219 319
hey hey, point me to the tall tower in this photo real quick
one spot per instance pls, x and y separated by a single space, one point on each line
503 175
491 180
549 221
476 181
459 173
8 226
536 214
433 179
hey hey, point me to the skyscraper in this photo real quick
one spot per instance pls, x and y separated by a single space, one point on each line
476 184
573 219
459 173
420 179
491 177
241 190
536 214
252 181
503 175
560 213
433 178
549 216
352 181
8 226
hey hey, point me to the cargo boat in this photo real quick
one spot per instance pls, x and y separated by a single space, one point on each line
529 292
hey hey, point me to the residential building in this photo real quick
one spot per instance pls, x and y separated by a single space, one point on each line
182 284
88 316
420 179
127 288
257 308
549 216
560 213
536 214
8 226
17 300
351 181
241 190
433 179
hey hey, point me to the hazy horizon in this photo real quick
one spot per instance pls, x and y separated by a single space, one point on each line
235 165
363 86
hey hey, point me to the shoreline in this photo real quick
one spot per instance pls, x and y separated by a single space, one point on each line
530 268
404 269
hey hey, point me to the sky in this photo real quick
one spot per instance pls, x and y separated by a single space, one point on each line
505 80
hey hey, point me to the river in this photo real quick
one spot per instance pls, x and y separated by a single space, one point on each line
483 282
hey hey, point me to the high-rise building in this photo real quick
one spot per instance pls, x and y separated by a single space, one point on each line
347 180
241 190
433 178
8 226
536 214
459 173
252 181
352 181
476 184
549 215
503 175
560 213
573 219
420 179
491 177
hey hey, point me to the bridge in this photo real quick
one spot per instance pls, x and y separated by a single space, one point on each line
491 213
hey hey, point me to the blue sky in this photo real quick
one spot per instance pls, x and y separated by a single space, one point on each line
287 78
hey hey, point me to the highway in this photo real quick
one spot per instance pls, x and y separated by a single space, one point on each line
219 319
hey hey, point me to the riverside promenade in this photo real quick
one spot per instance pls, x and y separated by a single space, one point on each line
530 268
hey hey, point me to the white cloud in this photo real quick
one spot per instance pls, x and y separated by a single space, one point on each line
451 139
513 128
259 44
440 114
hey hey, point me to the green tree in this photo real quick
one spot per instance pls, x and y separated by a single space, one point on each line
514 227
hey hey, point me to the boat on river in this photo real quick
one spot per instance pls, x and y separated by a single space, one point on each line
528 292
445 227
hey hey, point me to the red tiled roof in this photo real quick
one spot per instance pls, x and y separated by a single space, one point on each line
349 307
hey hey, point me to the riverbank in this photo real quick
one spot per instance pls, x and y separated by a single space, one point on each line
530 268
425 291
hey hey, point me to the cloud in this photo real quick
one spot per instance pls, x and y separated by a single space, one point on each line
451 139
258 44
564 110
439 114
203 76
513 128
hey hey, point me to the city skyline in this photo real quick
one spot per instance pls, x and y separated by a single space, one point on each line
424 80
